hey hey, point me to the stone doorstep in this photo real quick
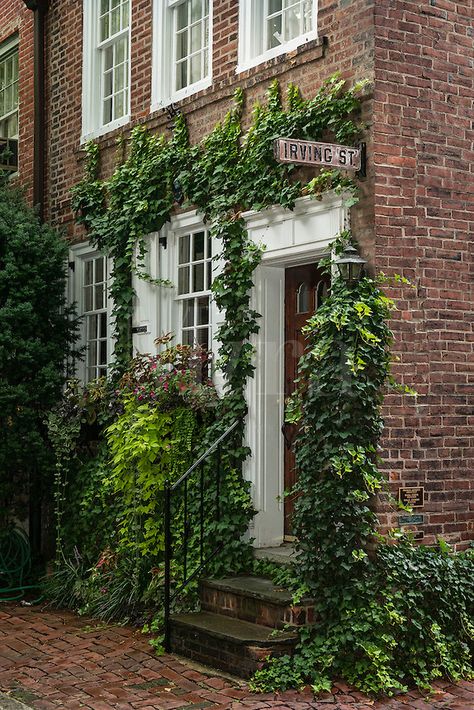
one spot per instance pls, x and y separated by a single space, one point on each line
255 599
233 645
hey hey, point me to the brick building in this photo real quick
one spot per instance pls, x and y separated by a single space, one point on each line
114 64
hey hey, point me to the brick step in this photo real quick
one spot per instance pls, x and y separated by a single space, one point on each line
236 646
256 600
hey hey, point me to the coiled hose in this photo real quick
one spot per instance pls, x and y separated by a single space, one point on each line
15 564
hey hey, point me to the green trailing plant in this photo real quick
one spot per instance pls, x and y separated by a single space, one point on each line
381 625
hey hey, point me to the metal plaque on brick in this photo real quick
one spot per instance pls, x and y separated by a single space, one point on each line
414 496
288 150
411 519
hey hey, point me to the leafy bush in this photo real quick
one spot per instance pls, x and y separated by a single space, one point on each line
36 336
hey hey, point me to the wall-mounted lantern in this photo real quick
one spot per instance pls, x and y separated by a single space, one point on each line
350 265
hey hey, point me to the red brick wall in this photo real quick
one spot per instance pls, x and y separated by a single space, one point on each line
424 220
15 18
345 49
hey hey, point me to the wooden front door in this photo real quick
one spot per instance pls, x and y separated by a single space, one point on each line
305 289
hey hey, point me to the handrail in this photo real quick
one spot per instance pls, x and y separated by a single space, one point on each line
169 489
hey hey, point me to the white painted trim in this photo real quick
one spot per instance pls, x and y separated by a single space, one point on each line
248 25
161 94
78 253
92 126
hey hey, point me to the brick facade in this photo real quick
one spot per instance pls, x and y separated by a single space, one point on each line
416 209
16 19
424 218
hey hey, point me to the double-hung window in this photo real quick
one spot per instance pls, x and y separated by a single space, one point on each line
272 27
182 48
194 288
9 104
94 311
106 71
89 290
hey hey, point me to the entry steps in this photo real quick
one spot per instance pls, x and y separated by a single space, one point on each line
242 621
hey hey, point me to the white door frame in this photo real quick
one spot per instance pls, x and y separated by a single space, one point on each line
291 239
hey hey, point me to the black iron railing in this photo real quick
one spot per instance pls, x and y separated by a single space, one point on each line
195 497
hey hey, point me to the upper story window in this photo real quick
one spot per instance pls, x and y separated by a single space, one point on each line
106 70
272 27
182 49
9 105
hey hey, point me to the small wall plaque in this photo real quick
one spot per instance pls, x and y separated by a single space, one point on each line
411 519
413 497
140 329
418 535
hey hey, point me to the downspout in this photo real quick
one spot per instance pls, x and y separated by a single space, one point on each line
40 8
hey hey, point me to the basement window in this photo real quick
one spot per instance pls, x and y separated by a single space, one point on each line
182 43
9 105
106 67
269 28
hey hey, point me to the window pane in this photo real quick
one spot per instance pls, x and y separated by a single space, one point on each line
198 246
107 113
182 16
188 313
203 310
108 58
103 325
196 69
119 106
181 75
99 297
183 280
125 14
202 337
196 37
198 277
115 21
103 352
182 45
184 249
104 6
92 323
121 51
104 27
187 337
108 77
274 6
92 353
302 298
196 10
88 272
88 296
99 270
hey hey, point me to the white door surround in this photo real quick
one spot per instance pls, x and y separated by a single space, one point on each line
290 239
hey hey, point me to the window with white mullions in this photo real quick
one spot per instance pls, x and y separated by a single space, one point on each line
194 286
9 104
113 46
191 42
94 309
182 41
285 20
268 28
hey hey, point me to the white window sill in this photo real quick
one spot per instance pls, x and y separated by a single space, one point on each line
252 62
108 128
158 104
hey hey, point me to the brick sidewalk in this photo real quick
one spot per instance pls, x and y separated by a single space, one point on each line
58 660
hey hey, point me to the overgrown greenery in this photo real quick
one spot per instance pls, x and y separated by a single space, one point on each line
379 625
36 337
400 615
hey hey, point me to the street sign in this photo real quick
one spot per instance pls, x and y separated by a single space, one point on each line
289 150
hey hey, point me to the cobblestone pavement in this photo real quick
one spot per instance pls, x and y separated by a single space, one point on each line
52 659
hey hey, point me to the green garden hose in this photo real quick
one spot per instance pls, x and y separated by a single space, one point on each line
15 564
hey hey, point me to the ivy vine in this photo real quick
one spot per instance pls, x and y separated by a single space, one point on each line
227 173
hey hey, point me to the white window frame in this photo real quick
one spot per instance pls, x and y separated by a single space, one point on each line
92 125
162 92
251 13
10 46
191 294
78 256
